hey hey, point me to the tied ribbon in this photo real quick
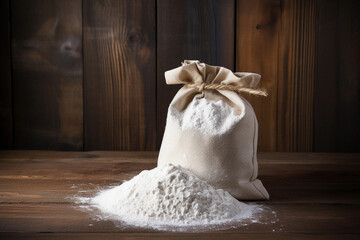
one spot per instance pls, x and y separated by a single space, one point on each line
202 86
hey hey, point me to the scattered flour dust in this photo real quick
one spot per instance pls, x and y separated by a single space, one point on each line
210 117
170 196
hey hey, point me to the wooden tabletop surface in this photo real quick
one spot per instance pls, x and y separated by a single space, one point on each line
314 196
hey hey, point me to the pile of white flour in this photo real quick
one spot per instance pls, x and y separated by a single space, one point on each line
210 117
170 196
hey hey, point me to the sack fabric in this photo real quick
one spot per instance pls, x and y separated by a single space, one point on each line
226 161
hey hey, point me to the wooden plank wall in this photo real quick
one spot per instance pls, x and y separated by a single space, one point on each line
337 86
89 74
119 75
47 74
297 74
257 50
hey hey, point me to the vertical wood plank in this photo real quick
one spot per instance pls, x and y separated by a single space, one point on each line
257 36
47 74
296 75
195 30
337 89
6 140
119 74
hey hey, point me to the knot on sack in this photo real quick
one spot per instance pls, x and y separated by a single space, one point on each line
202 86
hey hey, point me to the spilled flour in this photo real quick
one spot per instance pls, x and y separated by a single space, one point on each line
170 196
207 116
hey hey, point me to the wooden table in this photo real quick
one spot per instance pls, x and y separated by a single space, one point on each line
314 195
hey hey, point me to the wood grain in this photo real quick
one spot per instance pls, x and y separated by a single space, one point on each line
47 74
6 140
257 36
306 51
316 196
195 30
297 76
278 40
337 89
180 236
64 170
119 79
67 218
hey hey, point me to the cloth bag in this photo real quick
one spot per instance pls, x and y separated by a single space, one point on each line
226 161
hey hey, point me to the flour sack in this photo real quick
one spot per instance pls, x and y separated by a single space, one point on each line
212 131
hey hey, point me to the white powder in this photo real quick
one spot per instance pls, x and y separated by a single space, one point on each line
170 196
210 117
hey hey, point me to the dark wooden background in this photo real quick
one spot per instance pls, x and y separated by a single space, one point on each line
89 74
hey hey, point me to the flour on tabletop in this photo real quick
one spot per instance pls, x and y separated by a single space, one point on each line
170 196
210 117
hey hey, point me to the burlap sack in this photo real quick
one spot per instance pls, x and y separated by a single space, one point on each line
226 161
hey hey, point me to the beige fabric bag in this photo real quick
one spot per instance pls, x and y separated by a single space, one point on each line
226 161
